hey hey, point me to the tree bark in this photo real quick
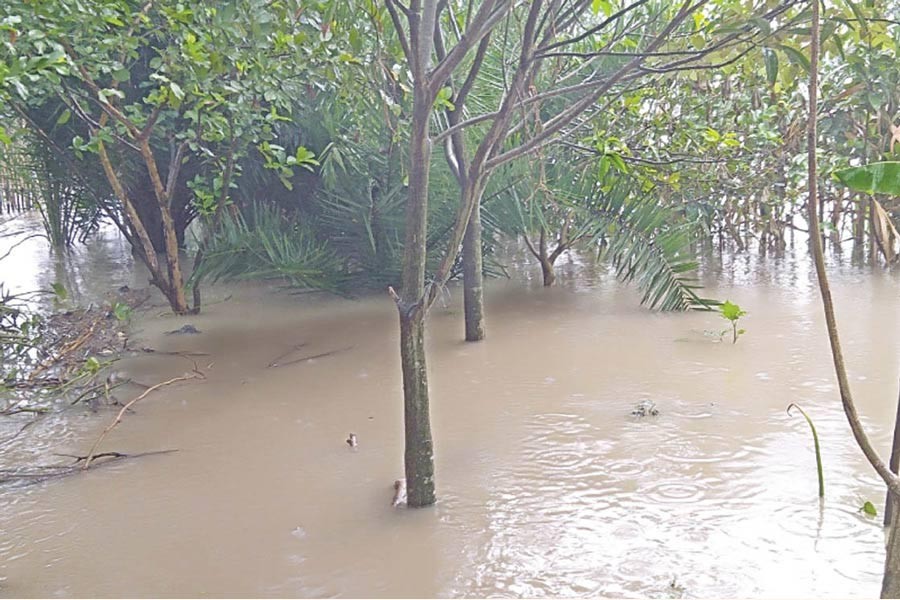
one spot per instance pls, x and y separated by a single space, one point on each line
177 298
894 465
419 453
412 306
890 585
547 272
473 278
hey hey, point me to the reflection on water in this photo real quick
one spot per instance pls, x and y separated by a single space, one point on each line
547 484
86 271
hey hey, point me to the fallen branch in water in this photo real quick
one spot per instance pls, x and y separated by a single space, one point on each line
181 353
67 350
20 242
16 410
276 362
91 455
306 358
44 472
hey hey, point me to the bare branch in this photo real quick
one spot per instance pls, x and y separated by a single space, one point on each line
555 124
392 6
597 28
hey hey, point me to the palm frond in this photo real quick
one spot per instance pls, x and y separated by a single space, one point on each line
647 245
264 246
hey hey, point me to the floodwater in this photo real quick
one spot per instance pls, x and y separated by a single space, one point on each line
547 484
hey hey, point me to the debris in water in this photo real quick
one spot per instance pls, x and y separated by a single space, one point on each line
184 330
644 409
351 441
298 532
399 493
676 590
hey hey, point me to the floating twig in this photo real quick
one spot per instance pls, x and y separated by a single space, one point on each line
276 362
39 473
306 358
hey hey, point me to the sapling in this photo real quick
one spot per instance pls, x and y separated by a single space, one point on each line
732 312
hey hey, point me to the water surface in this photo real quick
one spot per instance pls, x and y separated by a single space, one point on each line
547 484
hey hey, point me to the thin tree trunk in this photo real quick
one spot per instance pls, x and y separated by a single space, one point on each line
163 197
895 466
473 278
891 582
419 449
890 585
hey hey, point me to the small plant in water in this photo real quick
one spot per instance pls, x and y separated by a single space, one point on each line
732 312
818 451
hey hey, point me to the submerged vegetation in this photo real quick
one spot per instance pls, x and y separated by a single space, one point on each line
390 147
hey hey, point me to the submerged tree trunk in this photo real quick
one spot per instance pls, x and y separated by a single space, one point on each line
894 463
890 585
547 272
473 278
419 452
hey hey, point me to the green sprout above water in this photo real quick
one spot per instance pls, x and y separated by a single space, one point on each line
732 312
815 436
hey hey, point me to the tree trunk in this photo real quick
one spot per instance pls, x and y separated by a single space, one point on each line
412 306
894 464
547 272
419 454
890 585
473 278
176 295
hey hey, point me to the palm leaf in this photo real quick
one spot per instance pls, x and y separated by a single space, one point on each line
264 246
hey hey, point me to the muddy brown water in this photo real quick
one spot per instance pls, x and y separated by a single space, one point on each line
547 484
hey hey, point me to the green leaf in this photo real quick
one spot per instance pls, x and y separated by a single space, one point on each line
731 311
176 90
121 311
869 509
92 365
64 117
305 156
875 178
443 99
59 291
795 56
711 135
604 5
121 75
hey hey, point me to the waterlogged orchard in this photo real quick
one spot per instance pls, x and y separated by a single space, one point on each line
449 298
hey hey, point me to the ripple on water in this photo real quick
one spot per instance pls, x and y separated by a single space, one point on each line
831 522
682 492
562 446
697 447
